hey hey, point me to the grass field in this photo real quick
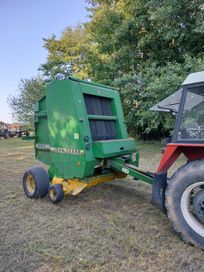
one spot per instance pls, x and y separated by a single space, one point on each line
111 227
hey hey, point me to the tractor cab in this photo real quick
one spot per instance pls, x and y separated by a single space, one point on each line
188 137
190 119
187 104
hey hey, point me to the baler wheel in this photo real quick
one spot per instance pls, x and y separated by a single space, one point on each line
35 182
56 193
185 204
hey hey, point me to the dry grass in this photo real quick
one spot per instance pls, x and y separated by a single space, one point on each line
111 227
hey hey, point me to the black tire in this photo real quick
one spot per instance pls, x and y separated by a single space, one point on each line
35 182
181 190
55 193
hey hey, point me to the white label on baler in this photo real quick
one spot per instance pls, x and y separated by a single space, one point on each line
124 170
42 146
70 151
76 136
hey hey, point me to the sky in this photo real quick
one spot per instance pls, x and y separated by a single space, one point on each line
23 25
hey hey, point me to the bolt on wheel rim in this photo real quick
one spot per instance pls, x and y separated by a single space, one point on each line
30 184
187 209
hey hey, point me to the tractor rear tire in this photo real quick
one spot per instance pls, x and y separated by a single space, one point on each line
56 193
181 196
35 182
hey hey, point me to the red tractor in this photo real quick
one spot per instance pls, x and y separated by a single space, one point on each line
182 196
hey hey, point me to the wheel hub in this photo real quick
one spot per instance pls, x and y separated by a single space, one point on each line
53 194
198 205
30 183
188 209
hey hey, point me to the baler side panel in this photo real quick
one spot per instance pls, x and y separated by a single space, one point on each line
69 157
42 132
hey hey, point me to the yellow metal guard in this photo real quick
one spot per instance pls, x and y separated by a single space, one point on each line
75 186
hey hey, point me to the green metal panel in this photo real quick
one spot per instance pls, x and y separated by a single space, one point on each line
101 117
63 135
66 131
41 131
91 83
113 148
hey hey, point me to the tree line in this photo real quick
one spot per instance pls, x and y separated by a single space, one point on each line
143 48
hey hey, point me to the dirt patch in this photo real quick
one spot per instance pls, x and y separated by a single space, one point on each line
111 227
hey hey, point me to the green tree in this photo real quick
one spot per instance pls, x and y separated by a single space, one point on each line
29 91
140 92
132 34
149 47
67 55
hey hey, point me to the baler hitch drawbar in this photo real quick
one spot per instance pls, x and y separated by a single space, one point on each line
119 165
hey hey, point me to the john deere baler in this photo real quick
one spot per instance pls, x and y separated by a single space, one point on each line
81 134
